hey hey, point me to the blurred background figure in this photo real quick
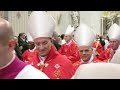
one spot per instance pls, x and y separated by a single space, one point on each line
56 41
22 41
98 45
107 43
114 37
17 49
31 52
63 40
70 48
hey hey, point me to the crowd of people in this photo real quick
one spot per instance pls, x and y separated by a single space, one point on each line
43 54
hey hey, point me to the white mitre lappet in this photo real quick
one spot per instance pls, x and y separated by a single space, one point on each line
84 35
114 32
40 24
69 30
98 71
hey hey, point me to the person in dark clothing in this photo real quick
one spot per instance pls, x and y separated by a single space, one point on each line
102 41
17 49
55 41
22 41
62 36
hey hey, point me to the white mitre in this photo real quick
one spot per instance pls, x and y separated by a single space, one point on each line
84 35
40 24
114 32
69 30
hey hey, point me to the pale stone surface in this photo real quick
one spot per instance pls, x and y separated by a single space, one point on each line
18 19
92 18
62 18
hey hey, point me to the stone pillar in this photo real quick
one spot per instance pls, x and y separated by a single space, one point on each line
92 19
18 19
62 18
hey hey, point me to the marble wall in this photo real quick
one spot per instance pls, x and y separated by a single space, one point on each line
62 18
18 19
93 19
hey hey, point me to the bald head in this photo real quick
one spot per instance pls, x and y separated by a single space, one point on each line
6 32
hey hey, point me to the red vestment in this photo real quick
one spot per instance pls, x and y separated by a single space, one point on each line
105 55
98 46
56 66
70 51
78 63
27 55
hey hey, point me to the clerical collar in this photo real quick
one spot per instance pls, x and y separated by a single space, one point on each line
32 49
90 60
42 59
69 43
8 62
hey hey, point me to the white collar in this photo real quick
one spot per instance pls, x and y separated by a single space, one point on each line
90 60
42 59
32 49
13 58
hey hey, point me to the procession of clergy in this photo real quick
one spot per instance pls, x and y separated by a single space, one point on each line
81 55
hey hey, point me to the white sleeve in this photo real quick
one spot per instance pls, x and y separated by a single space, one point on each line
29 72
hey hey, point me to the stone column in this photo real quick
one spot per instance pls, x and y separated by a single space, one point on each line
92 19
18 19
62 18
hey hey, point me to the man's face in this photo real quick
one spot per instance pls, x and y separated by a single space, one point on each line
23 36
43 45
31 45
114 43
85 52
55 35
67 38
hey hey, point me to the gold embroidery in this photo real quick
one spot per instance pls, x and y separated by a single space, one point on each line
57 73
42 65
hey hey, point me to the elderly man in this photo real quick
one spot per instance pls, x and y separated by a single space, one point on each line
114 37
85 37
70 48
56 66
10 66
